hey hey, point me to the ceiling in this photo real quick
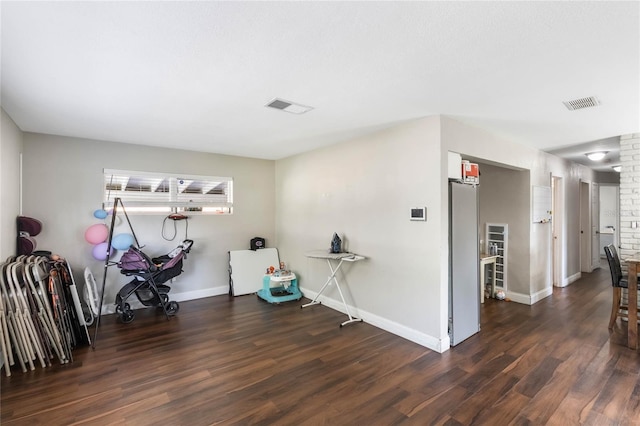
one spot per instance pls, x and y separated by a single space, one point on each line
577 153
197 75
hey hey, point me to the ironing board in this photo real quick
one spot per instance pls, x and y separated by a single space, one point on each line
339 258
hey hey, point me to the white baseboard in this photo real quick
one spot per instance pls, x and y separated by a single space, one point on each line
538 296
178 297
430 342
200 294
526 299
570 280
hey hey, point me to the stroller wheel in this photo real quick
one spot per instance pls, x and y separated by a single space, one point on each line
120 308
172 307
125 312
127 317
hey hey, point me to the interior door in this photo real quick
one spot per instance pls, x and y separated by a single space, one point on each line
585 229
556 223
595 225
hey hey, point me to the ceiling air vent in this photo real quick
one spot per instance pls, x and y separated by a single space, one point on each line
575 104
287 106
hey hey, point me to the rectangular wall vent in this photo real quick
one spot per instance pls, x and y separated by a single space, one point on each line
591 101
287 106
278 104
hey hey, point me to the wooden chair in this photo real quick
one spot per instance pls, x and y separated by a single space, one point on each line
618 282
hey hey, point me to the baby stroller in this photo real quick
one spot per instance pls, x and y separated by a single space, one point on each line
149 278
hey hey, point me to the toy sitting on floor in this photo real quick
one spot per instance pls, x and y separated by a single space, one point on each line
286 288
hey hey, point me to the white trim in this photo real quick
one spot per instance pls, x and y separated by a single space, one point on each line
570 280
526 299
538 296
200 294
174 197
21 187
430 342
165 175
178 297
519 297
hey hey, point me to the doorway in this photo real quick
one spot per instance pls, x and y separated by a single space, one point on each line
609 217
589 226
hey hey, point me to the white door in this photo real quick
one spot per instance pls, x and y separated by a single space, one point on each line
585 229
556 214
595 226
609 217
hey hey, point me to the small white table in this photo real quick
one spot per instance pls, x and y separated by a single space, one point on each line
484 261
340 258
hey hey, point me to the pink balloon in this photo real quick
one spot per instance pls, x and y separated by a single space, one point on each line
97 233
100 251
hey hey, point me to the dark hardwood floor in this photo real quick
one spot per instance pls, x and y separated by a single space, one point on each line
242 361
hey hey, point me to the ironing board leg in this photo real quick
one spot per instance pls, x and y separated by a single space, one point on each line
333 278
346 308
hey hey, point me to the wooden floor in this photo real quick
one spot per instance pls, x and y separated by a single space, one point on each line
243 361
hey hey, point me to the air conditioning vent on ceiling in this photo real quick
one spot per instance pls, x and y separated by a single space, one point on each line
591 101
287 106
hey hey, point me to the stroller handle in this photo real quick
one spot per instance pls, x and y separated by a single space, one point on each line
186 245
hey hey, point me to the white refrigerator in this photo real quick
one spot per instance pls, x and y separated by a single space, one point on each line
464 265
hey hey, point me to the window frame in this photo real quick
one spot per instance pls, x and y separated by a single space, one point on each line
178 198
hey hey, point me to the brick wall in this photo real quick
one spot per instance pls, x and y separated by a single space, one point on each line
629 200
629 194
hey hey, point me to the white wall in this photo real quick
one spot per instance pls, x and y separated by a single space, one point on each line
10 149
572 175
474 142
364 190
504 199
63 186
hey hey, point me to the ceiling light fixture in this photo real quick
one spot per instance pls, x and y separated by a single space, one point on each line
617 168
596 156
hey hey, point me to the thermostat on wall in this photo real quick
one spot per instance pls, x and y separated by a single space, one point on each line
419 213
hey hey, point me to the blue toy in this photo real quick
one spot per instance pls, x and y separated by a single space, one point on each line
287 290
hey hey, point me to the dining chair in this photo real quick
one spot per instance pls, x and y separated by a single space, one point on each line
618 282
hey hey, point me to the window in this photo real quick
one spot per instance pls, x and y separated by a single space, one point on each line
145 192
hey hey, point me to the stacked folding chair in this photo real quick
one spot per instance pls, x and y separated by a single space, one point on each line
40 316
